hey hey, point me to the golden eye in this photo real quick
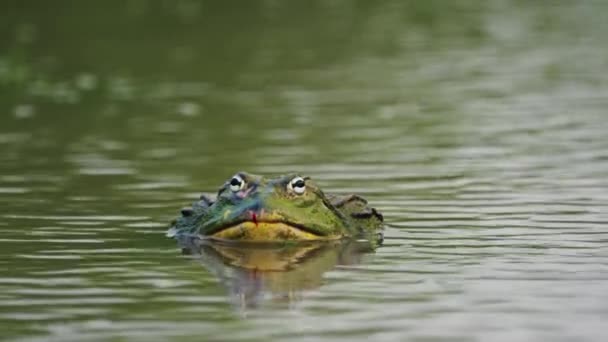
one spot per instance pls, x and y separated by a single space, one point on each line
297 184
237 183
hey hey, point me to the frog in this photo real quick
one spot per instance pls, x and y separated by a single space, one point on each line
289 208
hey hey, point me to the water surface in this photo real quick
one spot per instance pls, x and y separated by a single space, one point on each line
478 129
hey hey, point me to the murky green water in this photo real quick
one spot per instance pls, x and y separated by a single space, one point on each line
479 129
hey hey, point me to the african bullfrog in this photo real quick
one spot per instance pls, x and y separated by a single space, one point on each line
252 208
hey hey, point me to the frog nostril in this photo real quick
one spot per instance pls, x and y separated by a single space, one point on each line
246 193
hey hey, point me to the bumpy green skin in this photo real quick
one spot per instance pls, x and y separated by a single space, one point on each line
272 200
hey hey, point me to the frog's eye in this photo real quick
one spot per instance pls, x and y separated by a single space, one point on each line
297 185
237 183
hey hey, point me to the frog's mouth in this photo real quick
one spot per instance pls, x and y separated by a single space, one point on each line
265 230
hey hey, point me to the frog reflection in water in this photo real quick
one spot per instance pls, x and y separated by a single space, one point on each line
279 273
275 235
291 208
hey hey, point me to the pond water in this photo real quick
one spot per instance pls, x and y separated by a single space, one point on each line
479 129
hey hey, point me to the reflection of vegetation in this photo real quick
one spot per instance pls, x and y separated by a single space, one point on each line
131 50
216 40
148 81
250 271
53 55
209 87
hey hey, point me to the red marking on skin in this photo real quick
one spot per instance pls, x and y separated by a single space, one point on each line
254 217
